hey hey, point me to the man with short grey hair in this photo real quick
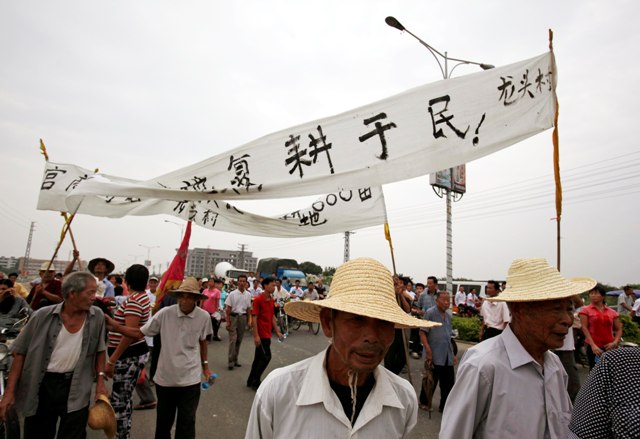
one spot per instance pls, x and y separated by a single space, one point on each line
512 385
57 356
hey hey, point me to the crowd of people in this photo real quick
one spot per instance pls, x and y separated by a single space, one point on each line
521 379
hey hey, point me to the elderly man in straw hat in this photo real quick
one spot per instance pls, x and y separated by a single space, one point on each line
57 356
512 385
343 390
183 330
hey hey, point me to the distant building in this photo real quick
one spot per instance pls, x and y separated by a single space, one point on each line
8 264
201 262
33 266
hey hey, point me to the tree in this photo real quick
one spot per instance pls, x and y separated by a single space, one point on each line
310 268
329 271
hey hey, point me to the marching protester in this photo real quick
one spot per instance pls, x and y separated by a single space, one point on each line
237 306
57 357
512 382
212 304
127 357
46 292
495 315
12 305
264 323
183 329
342 391
600 325
439 349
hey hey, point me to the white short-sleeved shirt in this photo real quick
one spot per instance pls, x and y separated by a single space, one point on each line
240 302
179 364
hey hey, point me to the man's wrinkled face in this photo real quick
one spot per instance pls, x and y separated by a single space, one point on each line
187 302
443 301
359 342
546 322
85 298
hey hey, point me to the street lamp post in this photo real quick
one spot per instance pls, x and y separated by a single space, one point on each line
147 262
446 74
179 225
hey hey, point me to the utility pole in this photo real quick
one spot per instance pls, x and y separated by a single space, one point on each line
241 256
27 251
347 245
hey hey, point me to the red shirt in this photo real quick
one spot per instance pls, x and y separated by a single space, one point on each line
600 324
263 310
54 287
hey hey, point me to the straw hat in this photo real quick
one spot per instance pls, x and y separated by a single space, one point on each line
364 287
45 266
107 262
189 285
102 417
533 279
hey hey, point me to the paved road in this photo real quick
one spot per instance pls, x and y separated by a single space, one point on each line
224 410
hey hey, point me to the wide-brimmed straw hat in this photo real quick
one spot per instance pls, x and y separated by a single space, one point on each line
364 287
107 262
102 417
189 285
46 267
533 279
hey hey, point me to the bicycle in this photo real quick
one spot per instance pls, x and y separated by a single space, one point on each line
282 319
314 327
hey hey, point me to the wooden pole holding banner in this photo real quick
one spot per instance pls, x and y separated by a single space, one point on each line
556 165
65 215
405 343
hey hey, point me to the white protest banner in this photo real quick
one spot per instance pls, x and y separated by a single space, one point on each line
418 132
332 213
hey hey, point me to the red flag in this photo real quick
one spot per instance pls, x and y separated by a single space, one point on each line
172 278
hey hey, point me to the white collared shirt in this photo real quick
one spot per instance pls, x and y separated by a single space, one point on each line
179 363
495 314
297 401
239 301
502 392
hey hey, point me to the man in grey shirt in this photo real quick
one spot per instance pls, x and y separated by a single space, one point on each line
183 330
512 385
56 358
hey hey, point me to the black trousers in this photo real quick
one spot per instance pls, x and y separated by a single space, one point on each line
490 332
261 360
52 405
185 401
416 345
446 377
395 359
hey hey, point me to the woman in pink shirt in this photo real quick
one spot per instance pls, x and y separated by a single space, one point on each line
212 305
600 324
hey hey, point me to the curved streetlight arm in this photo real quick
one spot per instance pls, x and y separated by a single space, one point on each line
391 21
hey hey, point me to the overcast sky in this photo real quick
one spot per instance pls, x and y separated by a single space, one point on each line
138 89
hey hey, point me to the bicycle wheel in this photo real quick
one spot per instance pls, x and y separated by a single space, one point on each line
296 323
314 327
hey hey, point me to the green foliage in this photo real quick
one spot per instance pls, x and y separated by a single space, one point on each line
468 328
630 331
329 271
310 268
